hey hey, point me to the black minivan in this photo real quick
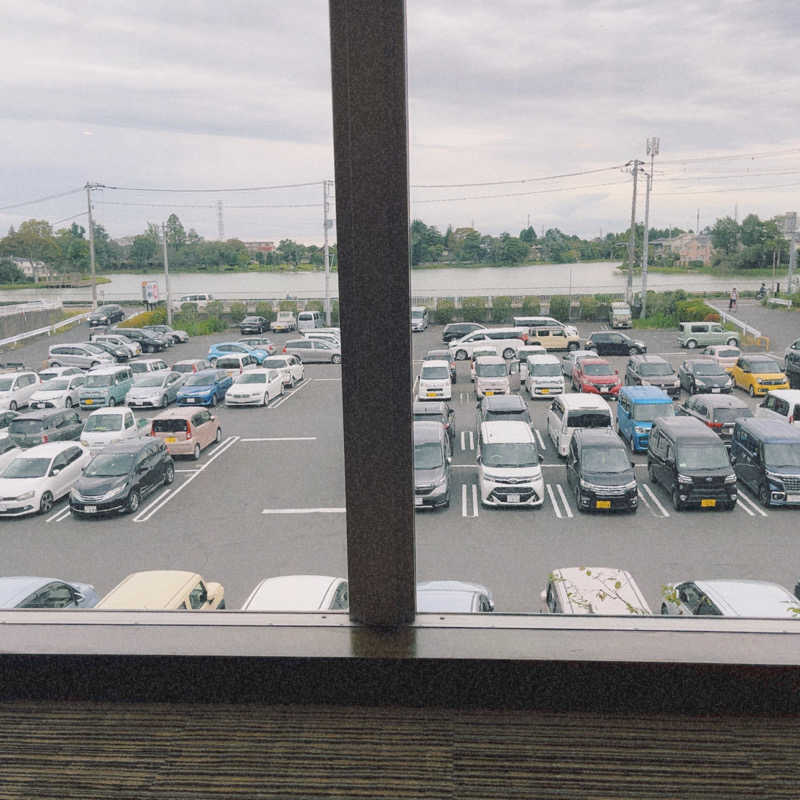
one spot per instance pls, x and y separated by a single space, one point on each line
765 454
45 425
600 472
691 462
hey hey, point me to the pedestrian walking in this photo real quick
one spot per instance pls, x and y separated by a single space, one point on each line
732 300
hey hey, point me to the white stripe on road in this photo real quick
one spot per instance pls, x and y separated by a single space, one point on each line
463 499
462 440
195 469
335 510
553 500
62 513
542 445
292 393
744 508
323 379
475 499
471 441
280 439
655 500
564 500
644 499
161 501
751 504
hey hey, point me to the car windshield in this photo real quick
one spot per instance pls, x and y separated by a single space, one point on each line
654 370
490 370
229 363
709 369
416 315
110 465
728 353
25 426
544 370
103 423
515 414
183 368
437 355
763 366
511 454
730 414
199 380
55 385
647 412
94 381
435 373
597 369
251 377
6 384
275 363
605 459
782 454
427 455
589 419
703 456
27 468
151 379
138 366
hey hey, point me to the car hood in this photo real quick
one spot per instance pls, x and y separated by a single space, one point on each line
513 472
602 379
712 380
145 390
660 380
49 395
193 390
14 487
428 477
91 487
100 437
609 478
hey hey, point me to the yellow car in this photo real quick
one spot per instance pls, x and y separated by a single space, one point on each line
758 375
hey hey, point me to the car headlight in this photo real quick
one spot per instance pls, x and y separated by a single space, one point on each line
640 429
441 482
588 486
732 478
629 486
775 477
676 383
84 443
26 495
684 478
645 382
113 492
729 382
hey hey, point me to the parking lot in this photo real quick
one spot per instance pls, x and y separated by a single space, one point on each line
269 500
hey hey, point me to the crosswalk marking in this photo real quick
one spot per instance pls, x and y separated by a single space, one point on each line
465 512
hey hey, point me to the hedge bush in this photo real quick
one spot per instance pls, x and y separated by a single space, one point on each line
473 309
335 313
445 311
588 307
157 317
559 307
288 305
238 311
265 310
531 306
501 309
215 309
199 327
315 305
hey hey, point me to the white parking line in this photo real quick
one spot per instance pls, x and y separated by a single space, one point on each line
465 512
644 499
62 513
471 441
475 499
541 440
462 440
291 394
564 500
280 439
655 499
751 504
161 501
335 510
324 379
553 500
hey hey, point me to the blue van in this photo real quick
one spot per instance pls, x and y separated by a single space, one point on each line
637 407
106 386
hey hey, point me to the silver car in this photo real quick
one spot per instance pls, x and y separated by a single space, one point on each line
730 598
155 389
313 350
24 591
84 356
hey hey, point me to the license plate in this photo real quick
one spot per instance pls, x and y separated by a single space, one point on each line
90 509
545 391
793 498
707 503
89 402
431 394
488 394
603 504
603 389
513 498
715 389
192 400
170 440
417 501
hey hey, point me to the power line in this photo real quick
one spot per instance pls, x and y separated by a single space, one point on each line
155 205
762 154
517 180
521 194
208 191
74 216
731 189
41 199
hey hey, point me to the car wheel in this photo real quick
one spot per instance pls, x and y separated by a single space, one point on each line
12 405
54 364
693 388
691 344
764 495
196 453
68 402
213 400
218 435
676 500
572 346
632 351
751 391
651 474
508 353
46 503
336 359
134 498
664 610
112 402
461 355
212 361
578 499
732 342
169 474
265 398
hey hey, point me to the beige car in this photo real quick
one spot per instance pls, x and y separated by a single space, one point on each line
725 355
164 590
187 431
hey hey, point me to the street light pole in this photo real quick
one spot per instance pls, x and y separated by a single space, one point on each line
652 151
635 164
89 188
166 275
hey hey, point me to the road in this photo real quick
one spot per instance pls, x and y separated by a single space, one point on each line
269 500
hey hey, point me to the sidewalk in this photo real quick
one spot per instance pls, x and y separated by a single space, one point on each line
782 326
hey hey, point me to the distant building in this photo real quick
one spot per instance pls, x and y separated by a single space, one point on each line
36 270
259 247
688 246
125 241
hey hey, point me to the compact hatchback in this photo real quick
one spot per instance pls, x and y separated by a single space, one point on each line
718 412
47 425
85 356
167 589
648 370
702 334
187 431
758 374
596 376
611 343
729 598
17 388
31 592
704 375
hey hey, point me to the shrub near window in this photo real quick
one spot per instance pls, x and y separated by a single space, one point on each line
531 306
473 309
559 307
501 309
265 310
238 311
445 311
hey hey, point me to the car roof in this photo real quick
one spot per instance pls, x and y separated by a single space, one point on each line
749 598
579 400
650 393
425 407
179 412
594 437
434 363
790 395
504 402
595 360
543 358
43 413
687 428
503 431
448 596
769 430
130 445
15 588
108 370
188 361
651 358
47 450
291 593
488 360
152 589
722 401
585 582
111 410
425 431
211 372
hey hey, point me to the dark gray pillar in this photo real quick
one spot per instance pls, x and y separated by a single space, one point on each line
368 56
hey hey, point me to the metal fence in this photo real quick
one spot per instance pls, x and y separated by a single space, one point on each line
48 330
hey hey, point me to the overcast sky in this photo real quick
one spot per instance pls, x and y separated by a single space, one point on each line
210 94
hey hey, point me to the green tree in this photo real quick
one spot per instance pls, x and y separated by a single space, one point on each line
10 272
290 252
33 241
176 235
143 251
725 235
528 235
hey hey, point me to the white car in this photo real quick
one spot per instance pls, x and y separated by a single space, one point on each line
434 381
108 425
147 365
299 593
290 367
40 476
58 392
255 387
155 389
16 389
118 340
58 372
570 359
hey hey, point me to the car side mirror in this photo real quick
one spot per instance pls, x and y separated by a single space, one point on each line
633 463
478 458
449 459
55 471
543 596
733 458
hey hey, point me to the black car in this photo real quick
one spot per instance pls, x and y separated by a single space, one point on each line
612 343
106 315
455 330
643 370
792 368
436 412
253 325
6 417
504 407
150 343
442 355
117 478
120 353
45 425
717 411
600 472
699 375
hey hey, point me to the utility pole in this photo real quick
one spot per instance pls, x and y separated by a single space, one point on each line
792 225
220 222
166 275
89 187
635 164
697 227
326 224
652 151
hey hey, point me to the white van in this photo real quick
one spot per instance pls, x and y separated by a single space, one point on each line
306 320
543 376
781 404
434 381
543 322
420 318
491 376
593 590
509 471
200 299
575 410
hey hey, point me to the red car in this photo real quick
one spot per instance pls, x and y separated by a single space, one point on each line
595 375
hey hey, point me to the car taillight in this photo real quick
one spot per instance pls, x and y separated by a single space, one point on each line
284 349
714 424
44 438
188 430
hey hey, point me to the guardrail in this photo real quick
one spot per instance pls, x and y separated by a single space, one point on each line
49 330
779 301
34 305
746 329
